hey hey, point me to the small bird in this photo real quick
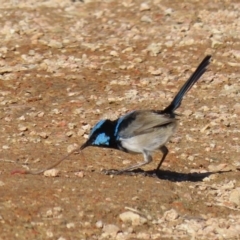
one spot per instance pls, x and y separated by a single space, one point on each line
142 131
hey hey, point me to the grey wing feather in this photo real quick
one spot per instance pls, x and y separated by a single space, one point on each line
145 122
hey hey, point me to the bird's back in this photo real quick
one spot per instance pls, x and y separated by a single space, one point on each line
145 130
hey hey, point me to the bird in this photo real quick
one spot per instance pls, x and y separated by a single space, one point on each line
143 131
139 131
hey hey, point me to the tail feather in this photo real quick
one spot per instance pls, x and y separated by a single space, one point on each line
188 84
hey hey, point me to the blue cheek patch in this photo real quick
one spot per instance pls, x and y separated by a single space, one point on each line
101 139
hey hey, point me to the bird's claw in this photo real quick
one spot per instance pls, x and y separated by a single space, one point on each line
111 172
129 173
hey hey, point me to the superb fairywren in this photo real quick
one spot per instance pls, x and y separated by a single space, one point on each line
143 131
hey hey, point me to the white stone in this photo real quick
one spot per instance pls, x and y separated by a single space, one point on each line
99 224
236 108
170 215
134 218
55 44
2 183
51 173
110 230
114 53
235 196
144 7
22 128
154 49
146 18
70 225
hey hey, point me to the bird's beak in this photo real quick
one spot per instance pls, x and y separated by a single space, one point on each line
84 145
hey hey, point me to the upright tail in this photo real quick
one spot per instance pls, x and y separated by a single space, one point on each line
187 86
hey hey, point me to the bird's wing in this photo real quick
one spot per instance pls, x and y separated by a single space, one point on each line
141 122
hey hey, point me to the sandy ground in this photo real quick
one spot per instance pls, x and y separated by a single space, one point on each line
64 65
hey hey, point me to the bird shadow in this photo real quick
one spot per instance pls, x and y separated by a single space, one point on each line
172 176
182 177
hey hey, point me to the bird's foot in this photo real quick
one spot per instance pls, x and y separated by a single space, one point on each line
112 172
136 172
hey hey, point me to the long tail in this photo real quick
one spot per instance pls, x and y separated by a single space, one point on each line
187 86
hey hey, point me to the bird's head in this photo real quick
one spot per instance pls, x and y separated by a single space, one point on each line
100 135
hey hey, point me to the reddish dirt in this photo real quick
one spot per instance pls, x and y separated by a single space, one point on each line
42 101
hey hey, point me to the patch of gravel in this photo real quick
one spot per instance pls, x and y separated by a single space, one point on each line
66 64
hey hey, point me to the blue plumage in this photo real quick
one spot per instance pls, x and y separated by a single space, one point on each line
119 122
97 126
101 139
143 131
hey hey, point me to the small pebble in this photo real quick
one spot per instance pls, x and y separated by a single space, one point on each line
146 19
110 230
79 174
2 183
144 7
134 218
51 173
99 224
43 135
22 128
69 133
55 44
70 225
235 196
170 215
114 53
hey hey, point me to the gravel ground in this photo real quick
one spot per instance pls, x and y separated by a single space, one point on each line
64 65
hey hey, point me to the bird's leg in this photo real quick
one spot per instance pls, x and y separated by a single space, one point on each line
147 160
164 151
